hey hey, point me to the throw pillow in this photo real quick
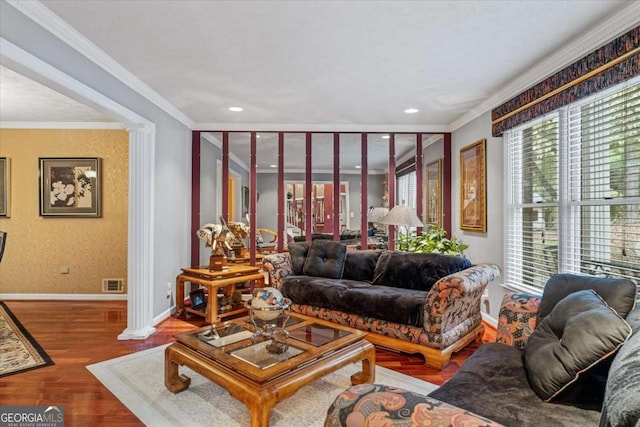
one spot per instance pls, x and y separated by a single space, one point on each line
580 331
325 259
418 271
517 318
298 252
619 294
360 265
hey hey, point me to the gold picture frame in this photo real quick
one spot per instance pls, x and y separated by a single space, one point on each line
473 187
5 186
70 186
433 193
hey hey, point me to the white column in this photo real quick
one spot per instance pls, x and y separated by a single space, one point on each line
140 238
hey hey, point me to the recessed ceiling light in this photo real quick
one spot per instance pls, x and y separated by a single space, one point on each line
358 167
274 166
411 110
236 109
385 136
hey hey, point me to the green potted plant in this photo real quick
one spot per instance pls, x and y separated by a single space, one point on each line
433 240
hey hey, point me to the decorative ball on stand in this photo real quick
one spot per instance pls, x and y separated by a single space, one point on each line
268 303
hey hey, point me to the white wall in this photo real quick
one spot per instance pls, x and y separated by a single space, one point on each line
489 246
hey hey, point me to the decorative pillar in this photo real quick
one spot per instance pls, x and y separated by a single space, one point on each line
140 234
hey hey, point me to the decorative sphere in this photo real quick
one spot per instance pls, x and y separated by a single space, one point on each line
267 303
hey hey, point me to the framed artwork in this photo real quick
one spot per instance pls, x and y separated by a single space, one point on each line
5 185
473 187
434 193
70 186
198 299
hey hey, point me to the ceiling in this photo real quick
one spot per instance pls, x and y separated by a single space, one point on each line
316 64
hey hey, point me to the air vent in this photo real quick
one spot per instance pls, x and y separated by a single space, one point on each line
112 286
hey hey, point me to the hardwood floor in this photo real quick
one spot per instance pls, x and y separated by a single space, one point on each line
78 333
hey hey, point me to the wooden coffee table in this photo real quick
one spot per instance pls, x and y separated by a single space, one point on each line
261 379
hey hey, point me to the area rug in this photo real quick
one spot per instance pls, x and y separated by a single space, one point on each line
137 380
19 352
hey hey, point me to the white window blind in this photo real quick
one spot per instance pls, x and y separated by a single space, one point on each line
604 184
573 191
532 229
406 190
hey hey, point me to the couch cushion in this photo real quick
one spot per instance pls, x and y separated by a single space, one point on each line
622 397
360 265
493 383
325 259
517 318
580 331
619 294
403 306
415 270
298 252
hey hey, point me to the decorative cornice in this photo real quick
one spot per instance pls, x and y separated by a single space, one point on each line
44 17
616 25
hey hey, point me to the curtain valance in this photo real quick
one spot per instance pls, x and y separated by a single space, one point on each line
607 66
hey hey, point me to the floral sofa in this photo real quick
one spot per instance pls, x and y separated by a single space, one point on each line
415 303
570 358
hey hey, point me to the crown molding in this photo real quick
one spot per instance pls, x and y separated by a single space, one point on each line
314 127
38 70
44 17
609 29
62 125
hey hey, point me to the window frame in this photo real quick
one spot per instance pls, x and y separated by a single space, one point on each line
570 258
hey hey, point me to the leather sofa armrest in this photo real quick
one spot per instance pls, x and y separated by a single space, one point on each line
455 298
278 266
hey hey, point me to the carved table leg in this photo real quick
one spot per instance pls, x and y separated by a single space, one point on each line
260 411
174 381
368 373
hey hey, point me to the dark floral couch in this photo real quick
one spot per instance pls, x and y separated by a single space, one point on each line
498 385
415 303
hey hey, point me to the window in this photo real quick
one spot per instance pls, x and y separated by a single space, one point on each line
406 190
573 191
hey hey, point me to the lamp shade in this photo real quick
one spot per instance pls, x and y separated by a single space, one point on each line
402 215
376 214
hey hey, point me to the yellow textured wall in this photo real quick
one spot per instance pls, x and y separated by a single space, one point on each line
38 247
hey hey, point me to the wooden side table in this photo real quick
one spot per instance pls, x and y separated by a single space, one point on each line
213 281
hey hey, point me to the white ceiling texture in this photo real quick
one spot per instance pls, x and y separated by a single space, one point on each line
323 65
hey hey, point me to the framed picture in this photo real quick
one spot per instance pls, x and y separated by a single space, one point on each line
434 192
198 299
70 186
473 187
5 185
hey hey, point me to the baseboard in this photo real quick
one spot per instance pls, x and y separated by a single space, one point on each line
163 316
77 297
490 320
